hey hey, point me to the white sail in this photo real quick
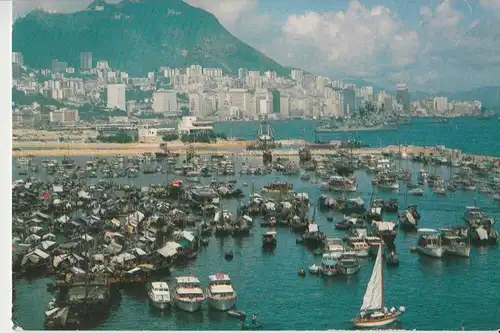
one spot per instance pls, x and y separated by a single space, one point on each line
374 295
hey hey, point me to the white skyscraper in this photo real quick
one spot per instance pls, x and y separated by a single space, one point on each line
441 104
116 96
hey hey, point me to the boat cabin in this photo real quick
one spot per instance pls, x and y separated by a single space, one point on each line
219 279
160 288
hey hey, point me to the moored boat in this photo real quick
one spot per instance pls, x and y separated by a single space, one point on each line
159 295
429 243
188 294
220 292
373 312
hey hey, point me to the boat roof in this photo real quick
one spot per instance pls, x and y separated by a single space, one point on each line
427 230
313 227
187 279
219 277
271 233
189 291
222 289
159 285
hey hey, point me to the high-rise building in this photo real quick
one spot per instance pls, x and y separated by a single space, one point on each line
441 104
349 104
297 75
17 58
165 101
242 73
85 61
64 116
403 96
116 96
276 100
284 106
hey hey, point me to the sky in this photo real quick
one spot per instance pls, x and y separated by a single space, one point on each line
431 45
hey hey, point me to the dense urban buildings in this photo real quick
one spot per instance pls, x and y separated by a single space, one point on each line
209 93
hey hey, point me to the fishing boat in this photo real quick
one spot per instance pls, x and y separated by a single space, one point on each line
349 263
277 187
429 243
269 240
408 219
373 312
159 295
220 293
188 294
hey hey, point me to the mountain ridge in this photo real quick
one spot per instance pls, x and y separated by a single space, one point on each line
136 37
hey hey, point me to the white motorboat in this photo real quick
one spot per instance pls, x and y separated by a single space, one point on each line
453 244
159 295
188 295
373 312
416 192
314 269
429 243
220 293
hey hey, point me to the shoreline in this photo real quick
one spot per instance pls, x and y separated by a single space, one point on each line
49 149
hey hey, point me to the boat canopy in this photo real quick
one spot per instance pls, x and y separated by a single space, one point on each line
169 250
219 277
427 231
220 289
159 285
189 291
187 279
482 233
313 227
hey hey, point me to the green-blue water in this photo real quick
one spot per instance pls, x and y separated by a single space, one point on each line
468 134
438 295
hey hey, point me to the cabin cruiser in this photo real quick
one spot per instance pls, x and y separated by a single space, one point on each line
473 214
188 294
220 293
429 243
454 244
348 263
329 265
334 247
159 295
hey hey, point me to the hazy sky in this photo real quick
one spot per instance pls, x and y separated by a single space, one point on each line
441 45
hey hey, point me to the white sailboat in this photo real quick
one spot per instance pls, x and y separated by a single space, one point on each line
373 312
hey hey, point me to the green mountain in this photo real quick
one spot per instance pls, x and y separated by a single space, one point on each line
136 36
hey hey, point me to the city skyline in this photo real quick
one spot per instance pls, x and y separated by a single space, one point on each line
440 46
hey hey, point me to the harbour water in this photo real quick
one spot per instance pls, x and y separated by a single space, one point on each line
471 135
438 294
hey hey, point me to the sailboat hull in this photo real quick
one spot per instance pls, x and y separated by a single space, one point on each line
370 323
